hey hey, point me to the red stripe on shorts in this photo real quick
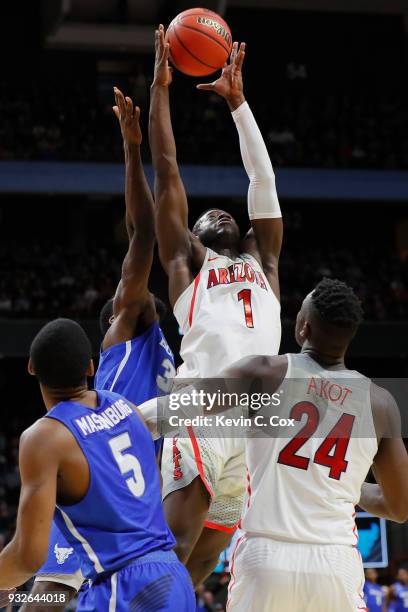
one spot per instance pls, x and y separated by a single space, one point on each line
199 461
231 582
218 527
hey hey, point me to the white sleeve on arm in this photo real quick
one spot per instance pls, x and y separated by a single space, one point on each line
157 412
263 200
149 411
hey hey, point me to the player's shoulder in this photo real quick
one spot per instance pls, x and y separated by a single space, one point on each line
198 250
381 398
43 435
259 366
386 414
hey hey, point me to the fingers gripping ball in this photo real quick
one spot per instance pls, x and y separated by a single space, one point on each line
200 42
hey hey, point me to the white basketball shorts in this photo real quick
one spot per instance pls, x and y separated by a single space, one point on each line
219 462
273 576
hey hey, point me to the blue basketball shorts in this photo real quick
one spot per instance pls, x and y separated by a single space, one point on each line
157 582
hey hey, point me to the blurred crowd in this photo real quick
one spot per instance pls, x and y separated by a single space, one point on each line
41 280
379 278
9 483
302 127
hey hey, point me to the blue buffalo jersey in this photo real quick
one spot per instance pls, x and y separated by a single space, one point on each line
120 518
138 369
374 596
401 592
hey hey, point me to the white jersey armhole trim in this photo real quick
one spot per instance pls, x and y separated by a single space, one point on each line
183 293
289 370
266 278
86 546
122 364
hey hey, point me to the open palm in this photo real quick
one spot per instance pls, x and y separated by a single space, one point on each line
128 117
229 85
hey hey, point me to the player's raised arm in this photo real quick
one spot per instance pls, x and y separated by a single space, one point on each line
389 498
263 204
28 549
173 236
133 301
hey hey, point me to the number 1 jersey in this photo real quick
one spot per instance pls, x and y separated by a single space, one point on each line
228 312
305 475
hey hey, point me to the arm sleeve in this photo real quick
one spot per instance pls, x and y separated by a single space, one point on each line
263 200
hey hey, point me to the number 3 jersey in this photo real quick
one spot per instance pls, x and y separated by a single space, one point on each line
139 369
305 478
121 516
228 312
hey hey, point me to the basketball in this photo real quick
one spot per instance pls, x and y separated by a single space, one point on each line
200 42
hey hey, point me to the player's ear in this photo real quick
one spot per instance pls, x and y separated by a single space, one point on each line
91 369
30 368
304 331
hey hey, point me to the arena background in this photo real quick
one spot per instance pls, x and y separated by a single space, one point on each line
328 86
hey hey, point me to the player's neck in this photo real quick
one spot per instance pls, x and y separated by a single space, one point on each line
82 395
327 359
231 252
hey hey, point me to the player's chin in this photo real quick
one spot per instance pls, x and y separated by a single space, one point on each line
227 229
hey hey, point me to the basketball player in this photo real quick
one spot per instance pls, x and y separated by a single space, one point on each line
225 296
94 457
298 552
398 595
135 360
374 594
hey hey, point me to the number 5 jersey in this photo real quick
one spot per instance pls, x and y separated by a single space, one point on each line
121 516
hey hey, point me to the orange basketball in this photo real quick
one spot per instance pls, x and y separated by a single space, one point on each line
200 42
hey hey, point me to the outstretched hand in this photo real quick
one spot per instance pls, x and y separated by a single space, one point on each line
128 117
230 85
162 71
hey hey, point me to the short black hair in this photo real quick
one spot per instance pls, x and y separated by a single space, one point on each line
60 354
197 222
161 309
105 315
107 312
337 304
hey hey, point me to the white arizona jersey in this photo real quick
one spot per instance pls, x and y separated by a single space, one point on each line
228 312
305 480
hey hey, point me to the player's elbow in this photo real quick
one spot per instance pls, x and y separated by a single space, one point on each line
145 237
400 518
166 166
264 181
401 515
399 510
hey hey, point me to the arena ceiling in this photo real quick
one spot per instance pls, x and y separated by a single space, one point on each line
126 25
